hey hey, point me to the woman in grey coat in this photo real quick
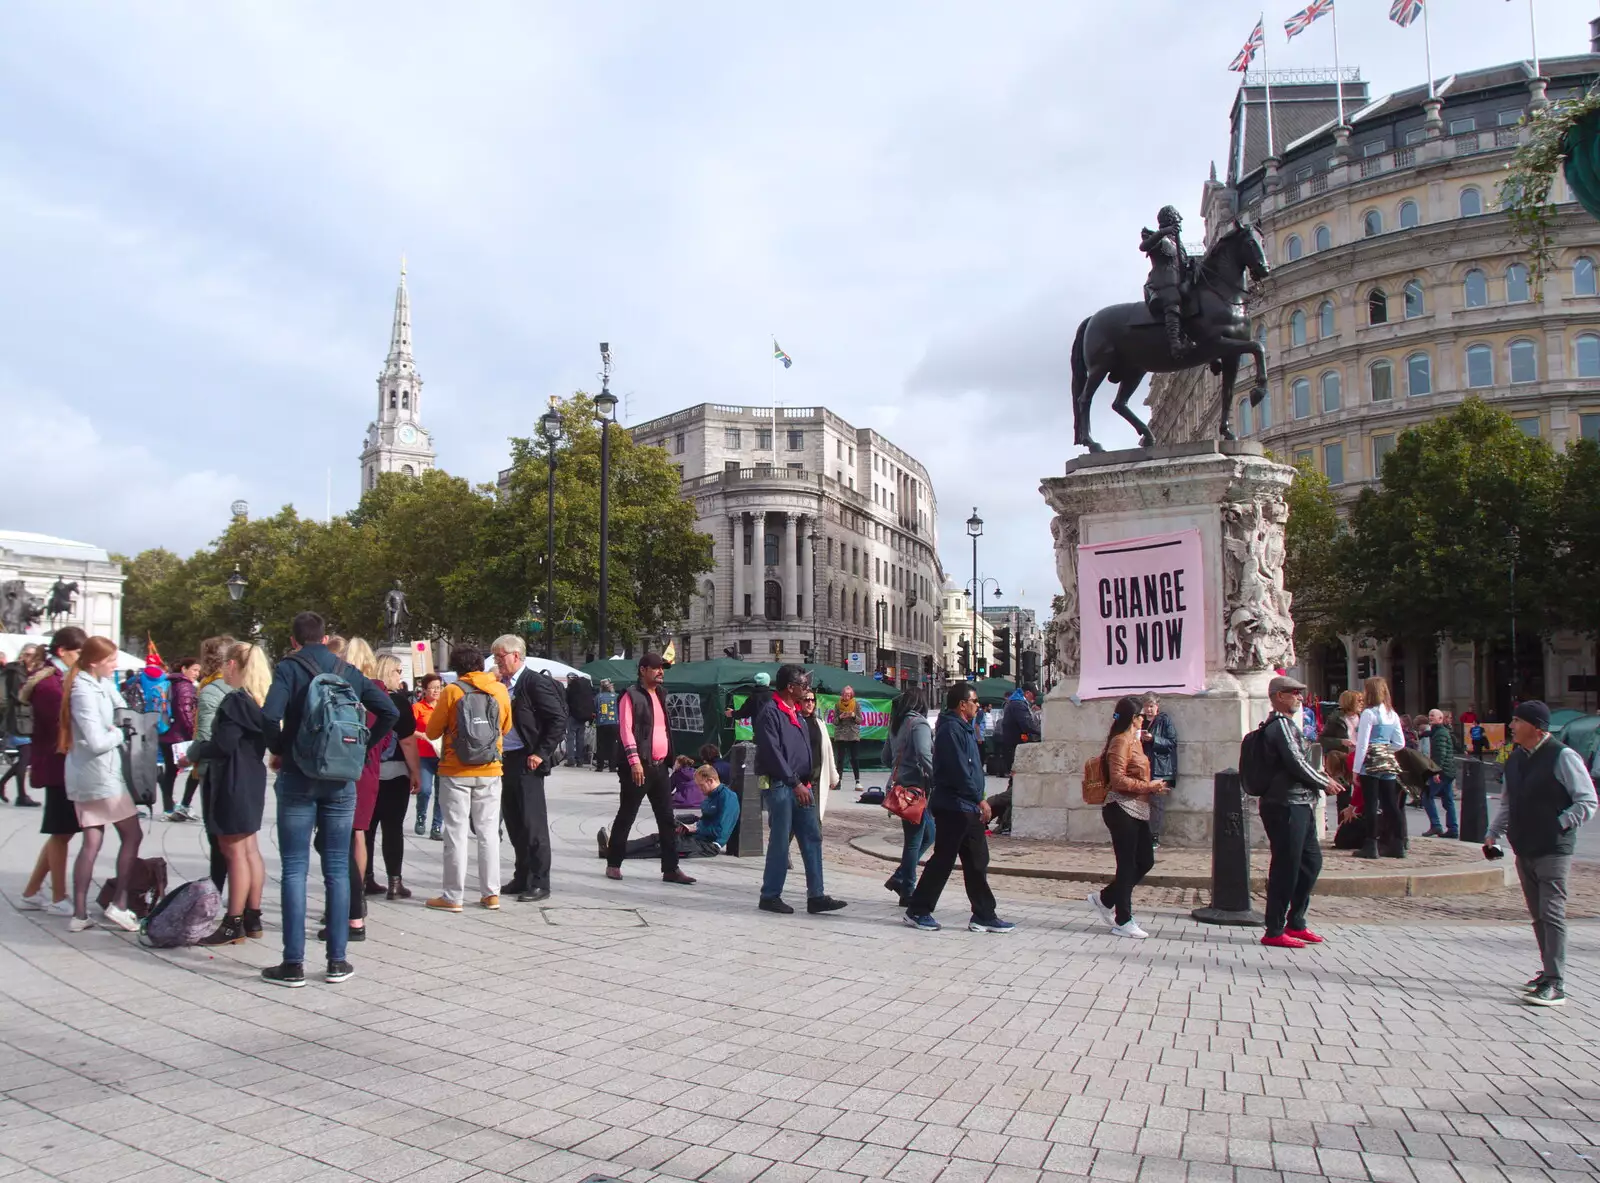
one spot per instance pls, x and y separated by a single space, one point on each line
92 742
908 753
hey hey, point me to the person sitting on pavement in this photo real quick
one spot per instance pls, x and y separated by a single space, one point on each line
711 754
685 794
1548 795
709 837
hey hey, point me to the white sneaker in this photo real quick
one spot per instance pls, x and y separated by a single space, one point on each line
121 917
76 925
1130 929
1109 915
59 908
38 901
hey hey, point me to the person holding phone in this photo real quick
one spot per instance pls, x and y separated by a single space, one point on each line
1129 793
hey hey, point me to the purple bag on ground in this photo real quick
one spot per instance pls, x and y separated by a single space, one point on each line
184 915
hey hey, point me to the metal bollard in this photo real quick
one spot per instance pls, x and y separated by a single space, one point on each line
1474 800
748 840
1230 856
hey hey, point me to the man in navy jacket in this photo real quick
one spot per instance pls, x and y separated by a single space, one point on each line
783 756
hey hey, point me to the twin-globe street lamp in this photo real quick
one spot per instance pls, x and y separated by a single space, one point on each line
550 430
975 529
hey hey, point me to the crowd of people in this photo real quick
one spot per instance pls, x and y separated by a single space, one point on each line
355 750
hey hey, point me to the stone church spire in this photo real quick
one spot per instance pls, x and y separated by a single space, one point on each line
396 440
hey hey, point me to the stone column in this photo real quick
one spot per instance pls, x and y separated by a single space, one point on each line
1446 688
808 560
1352 679
737 521
787 566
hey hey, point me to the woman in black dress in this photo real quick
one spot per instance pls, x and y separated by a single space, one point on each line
235 789
399 777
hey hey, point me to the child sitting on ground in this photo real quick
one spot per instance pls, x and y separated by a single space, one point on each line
719 818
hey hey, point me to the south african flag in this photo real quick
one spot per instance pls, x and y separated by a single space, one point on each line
779 355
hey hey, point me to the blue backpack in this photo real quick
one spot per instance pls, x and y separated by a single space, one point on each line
332 741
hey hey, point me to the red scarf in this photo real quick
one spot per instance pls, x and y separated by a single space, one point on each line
784 705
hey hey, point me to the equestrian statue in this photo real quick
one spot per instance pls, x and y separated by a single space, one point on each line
62 597
1192 315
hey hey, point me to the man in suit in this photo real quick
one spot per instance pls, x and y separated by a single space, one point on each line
538 726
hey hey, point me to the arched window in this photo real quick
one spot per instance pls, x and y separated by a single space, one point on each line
1301 391
1477 288
1380 381
1297 328
1517 289
1264 414
393 400
407 470
1245 415
1261 334
1293 248
1524 361
1480 366
774 600
1419 374
855 607
1588 349
1325 320
1372 224
1324 238
1330 391
709 591
405 400
1583 277
1414 305
1377 307
1409 214
1471 202
770 547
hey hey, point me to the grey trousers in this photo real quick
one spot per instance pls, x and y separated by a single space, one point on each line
1544 886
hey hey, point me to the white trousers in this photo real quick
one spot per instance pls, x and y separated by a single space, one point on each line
479 798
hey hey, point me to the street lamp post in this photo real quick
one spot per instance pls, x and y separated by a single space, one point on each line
975 529
977 588
236 587
550 429
883 610
605 406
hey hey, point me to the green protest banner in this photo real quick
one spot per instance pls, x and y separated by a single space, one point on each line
874 717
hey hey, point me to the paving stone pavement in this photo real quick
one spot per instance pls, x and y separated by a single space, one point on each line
643 1031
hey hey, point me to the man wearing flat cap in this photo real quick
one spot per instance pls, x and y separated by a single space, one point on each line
1547 796
1288 815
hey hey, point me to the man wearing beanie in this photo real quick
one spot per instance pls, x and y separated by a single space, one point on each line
1547 796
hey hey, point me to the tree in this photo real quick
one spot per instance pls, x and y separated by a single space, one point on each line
1578 540
1311 565
1464 520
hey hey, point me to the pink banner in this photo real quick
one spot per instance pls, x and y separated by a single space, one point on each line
1141 606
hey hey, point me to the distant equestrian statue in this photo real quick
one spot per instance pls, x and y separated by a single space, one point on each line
61 606
1193 315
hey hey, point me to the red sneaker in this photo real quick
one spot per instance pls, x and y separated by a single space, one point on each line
1283 941
1304 935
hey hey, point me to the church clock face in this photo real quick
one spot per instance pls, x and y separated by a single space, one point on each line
408 434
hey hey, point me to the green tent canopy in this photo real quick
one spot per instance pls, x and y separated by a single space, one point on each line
994 691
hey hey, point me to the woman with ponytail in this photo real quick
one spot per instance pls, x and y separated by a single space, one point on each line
91 741
1127 816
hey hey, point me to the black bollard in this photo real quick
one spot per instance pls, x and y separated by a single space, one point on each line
748 839
1474 800
1230 856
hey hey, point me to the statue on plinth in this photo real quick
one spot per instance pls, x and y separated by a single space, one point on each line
62 594
395 613
1193 315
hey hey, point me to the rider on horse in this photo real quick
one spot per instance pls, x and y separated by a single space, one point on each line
1169 276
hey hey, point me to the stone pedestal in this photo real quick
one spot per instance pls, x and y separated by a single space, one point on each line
1233 495
405 653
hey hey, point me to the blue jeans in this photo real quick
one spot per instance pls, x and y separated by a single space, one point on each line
330 807
1442 787
427 771
918 840
577 748
786 817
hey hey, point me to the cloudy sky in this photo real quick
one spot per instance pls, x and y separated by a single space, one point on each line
203 208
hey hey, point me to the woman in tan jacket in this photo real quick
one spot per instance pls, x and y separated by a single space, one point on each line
1127 816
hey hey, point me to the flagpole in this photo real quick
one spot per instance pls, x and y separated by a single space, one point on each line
1533 34
1338 78
774 434
1266 81
1427 45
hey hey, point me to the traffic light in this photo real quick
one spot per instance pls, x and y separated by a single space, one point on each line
964 656
1030 667
1002 652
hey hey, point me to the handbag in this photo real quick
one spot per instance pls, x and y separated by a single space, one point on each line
907 802
1094 782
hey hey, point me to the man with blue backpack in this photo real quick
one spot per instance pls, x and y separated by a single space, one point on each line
316 716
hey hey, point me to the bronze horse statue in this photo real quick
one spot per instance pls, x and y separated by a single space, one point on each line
1124 342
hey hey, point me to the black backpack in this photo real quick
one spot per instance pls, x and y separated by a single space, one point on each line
1255 764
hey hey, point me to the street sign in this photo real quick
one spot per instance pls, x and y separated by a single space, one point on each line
858 663
877 675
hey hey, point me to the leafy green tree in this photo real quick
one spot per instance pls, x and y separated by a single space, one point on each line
1578 540
1311 566
1467 510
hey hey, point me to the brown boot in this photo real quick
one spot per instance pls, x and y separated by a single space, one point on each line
397 889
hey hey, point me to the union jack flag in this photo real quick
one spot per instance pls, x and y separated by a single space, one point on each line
1301 21
1241 63
1403 12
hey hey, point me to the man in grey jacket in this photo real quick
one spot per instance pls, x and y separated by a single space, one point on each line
1160 740
1287 815
1547 796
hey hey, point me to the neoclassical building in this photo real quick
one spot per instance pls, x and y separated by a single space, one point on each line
396 441
41 561
1397 292
825 534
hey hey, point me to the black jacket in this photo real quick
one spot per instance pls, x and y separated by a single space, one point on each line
783 751
957 765
1294 781
580 700
235 755
539 717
